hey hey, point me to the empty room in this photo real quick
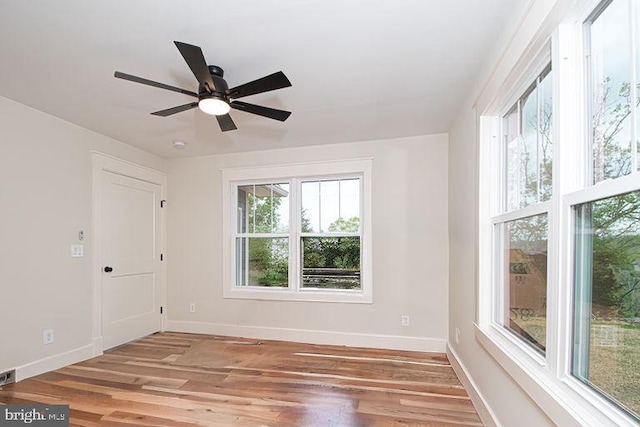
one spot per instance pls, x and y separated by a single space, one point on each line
320 213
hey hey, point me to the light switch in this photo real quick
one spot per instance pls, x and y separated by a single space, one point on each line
77 251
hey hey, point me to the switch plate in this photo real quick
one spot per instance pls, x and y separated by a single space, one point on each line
77 251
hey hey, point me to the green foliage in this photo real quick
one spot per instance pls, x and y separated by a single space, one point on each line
616 220
305 222
268 258
263 212
332 252
268 262
346 225
616 254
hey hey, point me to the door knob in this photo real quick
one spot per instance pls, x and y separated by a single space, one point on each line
108 269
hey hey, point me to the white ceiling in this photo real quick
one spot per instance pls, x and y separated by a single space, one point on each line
361 70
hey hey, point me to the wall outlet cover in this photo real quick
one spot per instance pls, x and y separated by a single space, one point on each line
47 336
7 377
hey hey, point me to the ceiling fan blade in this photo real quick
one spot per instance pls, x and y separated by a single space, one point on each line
136 79
195 60
174 110
271 82
271 113
226 123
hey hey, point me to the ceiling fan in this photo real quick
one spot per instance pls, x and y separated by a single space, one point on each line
214 95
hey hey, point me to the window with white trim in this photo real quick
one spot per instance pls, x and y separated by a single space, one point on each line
299 232
606 213
560 217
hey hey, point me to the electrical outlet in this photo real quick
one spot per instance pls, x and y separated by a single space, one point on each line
47 336
457 335
7 377
192 307
404 320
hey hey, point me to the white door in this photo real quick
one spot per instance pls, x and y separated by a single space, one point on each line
130 254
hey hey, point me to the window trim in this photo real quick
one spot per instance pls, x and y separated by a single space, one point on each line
295 174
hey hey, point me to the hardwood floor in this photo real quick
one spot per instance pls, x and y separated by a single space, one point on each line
173 379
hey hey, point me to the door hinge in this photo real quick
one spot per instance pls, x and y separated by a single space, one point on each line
161 257
162 202
161 309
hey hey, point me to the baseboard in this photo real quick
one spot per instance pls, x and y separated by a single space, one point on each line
98 346
392 342
484 411
52 363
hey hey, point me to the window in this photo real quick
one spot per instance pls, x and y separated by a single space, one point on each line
614 76
560 234
262 238
525 249
606 318
520 226
299 232
606 348
527 131
330 234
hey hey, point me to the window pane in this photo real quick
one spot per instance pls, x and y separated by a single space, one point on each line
263 208
545 127
636 56
349 206
529 149
331 206
262 261
511 131
606 329
331 262
611 66
311 207
526 286
527 135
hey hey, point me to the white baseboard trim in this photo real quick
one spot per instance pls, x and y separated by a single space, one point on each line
392 342
98 346
484 411
54 362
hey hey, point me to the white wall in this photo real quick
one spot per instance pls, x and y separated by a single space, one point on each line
45 200
410 247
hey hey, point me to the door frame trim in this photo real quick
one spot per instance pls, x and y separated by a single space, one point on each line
103 162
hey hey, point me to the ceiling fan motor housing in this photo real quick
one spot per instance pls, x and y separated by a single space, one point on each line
221 85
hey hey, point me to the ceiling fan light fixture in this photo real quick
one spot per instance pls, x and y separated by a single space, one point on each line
214 106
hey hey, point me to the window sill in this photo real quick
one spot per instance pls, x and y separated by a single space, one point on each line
303 295
566 402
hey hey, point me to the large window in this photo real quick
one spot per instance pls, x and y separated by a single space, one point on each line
299 232
525 158
606 321
560 212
